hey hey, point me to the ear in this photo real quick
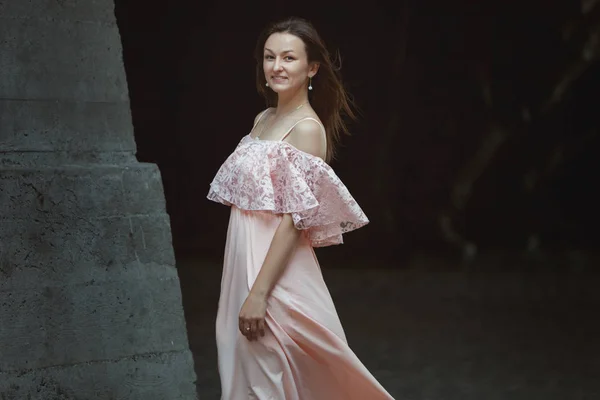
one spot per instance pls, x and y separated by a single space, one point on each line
312 70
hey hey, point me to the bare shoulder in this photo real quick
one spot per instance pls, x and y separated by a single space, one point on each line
259 115
308 136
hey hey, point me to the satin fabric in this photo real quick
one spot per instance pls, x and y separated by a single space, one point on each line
304 354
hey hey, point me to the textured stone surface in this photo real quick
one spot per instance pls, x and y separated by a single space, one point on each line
81 191
73 251
98 320
146 376
73 10
65 126
64 60
90 299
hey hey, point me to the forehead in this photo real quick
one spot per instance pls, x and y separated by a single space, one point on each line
279 42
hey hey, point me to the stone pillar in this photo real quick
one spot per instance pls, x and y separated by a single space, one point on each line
90 303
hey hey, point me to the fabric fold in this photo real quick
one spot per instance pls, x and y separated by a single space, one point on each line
279 178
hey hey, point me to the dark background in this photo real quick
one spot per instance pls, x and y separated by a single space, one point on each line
474 158
461 118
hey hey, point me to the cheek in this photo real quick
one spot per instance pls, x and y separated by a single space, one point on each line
301 68
299 73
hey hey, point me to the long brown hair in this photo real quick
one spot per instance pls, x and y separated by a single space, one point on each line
329 98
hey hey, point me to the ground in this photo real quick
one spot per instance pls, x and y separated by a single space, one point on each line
429 335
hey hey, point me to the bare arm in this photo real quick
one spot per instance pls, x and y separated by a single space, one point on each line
308 138
282 246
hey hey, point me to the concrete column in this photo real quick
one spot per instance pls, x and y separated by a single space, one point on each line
90 303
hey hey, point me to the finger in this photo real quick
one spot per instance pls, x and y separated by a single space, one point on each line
253 329
256 331
244 325
261 327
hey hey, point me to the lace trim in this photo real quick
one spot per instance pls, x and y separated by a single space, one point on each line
275 176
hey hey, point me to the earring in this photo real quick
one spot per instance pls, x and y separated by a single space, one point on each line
267 84
310 83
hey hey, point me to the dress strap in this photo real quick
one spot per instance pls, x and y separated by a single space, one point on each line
304 119
259 118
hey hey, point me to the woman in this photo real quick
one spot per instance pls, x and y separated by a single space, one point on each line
278 333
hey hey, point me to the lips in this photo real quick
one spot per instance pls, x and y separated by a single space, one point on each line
279 79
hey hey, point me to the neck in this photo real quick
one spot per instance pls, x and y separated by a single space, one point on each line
288 103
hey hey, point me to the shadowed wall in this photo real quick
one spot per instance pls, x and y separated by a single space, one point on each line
90 299
462 139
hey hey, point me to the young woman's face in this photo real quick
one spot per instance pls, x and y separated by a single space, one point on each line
285 63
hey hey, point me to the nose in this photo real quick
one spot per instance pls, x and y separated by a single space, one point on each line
277 65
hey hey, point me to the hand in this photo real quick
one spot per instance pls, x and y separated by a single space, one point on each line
252 316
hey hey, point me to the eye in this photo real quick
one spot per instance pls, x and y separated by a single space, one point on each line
268 57
289 58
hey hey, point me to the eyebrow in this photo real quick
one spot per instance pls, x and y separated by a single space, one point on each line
285 51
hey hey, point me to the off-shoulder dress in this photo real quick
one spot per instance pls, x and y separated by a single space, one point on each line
304 354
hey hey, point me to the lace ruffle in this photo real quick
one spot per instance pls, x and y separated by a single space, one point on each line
275 176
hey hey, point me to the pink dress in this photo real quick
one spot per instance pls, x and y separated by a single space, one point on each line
304 354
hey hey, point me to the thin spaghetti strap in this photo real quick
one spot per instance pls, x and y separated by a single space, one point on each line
258 119
304 119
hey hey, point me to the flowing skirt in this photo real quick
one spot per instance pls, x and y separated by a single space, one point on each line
304 354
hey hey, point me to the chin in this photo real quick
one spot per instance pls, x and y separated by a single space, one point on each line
279 88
